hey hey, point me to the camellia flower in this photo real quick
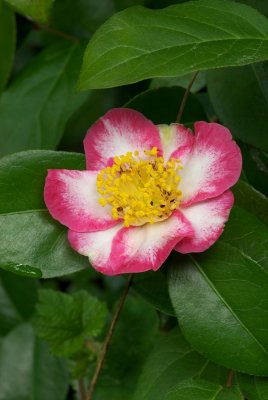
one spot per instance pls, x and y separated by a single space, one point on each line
147 190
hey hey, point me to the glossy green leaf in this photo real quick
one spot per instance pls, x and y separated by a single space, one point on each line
139 43
7 41
31 242
18 296
132 341
253 387
197 389
28 370
220 298
182 81
240 98
150 103
35 108
35 9
153 288
69 324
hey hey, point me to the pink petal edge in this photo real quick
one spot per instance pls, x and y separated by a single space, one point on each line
207 220
122 250
72 199
213 166
120 130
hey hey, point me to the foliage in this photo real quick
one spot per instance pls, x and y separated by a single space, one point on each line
184 328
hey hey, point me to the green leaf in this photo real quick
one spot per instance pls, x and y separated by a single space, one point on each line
260 5
139 43
253 387
35 9
35 108
67 321
7 42
150 103
131 343
31 242
235 91
152 286
255 167
197 389
220 298
18 296
182 81
28 370
251 200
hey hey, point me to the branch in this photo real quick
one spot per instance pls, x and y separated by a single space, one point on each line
55 32
185 97
108 338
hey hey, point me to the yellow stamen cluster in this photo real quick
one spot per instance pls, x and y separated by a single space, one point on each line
140 189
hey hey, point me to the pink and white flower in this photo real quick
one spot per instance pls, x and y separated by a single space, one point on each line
147 190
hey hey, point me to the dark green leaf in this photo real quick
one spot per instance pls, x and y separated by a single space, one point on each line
35 108
67 321
251 200
253 387
197 389
17 300
240 98
182 81
255 167
28 371
35 9
139 43
260 5
131 342
7 42
153 287
31 242
151 102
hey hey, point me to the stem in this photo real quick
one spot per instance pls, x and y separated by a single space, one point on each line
81 389
185 97
230 379
108 338
56 32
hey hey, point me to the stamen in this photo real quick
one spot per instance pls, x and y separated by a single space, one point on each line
140 189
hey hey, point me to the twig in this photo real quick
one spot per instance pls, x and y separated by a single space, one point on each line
185 97
81 389
56 32
230 378
108 339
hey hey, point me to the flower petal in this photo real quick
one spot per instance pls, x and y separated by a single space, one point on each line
120 130
177 141
207 220
135 249
72 199
214 165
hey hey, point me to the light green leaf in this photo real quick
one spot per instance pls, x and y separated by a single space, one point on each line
150 103
67 321
18 296
31 242
7 42
35 9
235 91
139 43
35 108
28 370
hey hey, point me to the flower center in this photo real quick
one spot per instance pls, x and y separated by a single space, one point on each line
140 189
